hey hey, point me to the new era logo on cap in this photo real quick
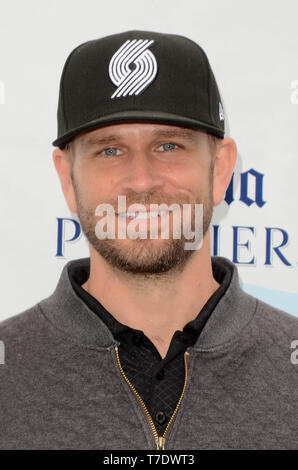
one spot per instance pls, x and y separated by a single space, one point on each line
221 112
132 68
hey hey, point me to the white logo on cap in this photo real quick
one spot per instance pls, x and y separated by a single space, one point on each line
221 112
132 80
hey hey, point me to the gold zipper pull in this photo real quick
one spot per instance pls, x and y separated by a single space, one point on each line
160 443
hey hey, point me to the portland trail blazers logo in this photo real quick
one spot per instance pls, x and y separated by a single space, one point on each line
132 68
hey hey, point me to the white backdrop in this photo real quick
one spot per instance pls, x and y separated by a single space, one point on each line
253 50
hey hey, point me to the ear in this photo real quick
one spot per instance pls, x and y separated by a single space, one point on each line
63 168
224 163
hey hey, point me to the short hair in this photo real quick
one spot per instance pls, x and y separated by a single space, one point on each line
214 142
69 150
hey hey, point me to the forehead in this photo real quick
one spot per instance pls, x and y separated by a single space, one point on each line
121 131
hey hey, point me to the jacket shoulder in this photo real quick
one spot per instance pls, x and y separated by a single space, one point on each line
276 322
21 323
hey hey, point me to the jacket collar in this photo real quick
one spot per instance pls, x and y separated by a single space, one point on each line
71 315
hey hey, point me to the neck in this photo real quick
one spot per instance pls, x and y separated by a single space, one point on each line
158 308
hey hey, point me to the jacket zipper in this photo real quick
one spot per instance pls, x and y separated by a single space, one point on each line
159 440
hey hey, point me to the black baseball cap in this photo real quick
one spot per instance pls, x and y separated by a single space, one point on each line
141 76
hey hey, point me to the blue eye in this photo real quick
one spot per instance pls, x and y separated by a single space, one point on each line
168 146
111 151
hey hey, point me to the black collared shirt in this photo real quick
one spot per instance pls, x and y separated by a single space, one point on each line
159 381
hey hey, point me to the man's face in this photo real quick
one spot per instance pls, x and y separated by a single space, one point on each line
149 164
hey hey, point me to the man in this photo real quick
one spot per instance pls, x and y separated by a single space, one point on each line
146 344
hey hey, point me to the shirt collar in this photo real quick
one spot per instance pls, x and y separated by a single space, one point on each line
70 314
79 274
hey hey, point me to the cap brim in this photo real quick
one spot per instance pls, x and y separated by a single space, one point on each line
139 116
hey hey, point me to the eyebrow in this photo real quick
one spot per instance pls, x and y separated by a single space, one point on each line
167 133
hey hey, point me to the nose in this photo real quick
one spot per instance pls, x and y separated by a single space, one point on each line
142 173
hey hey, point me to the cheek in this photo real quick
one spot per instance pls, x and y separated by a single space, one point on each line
199 179
186 177
89 187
